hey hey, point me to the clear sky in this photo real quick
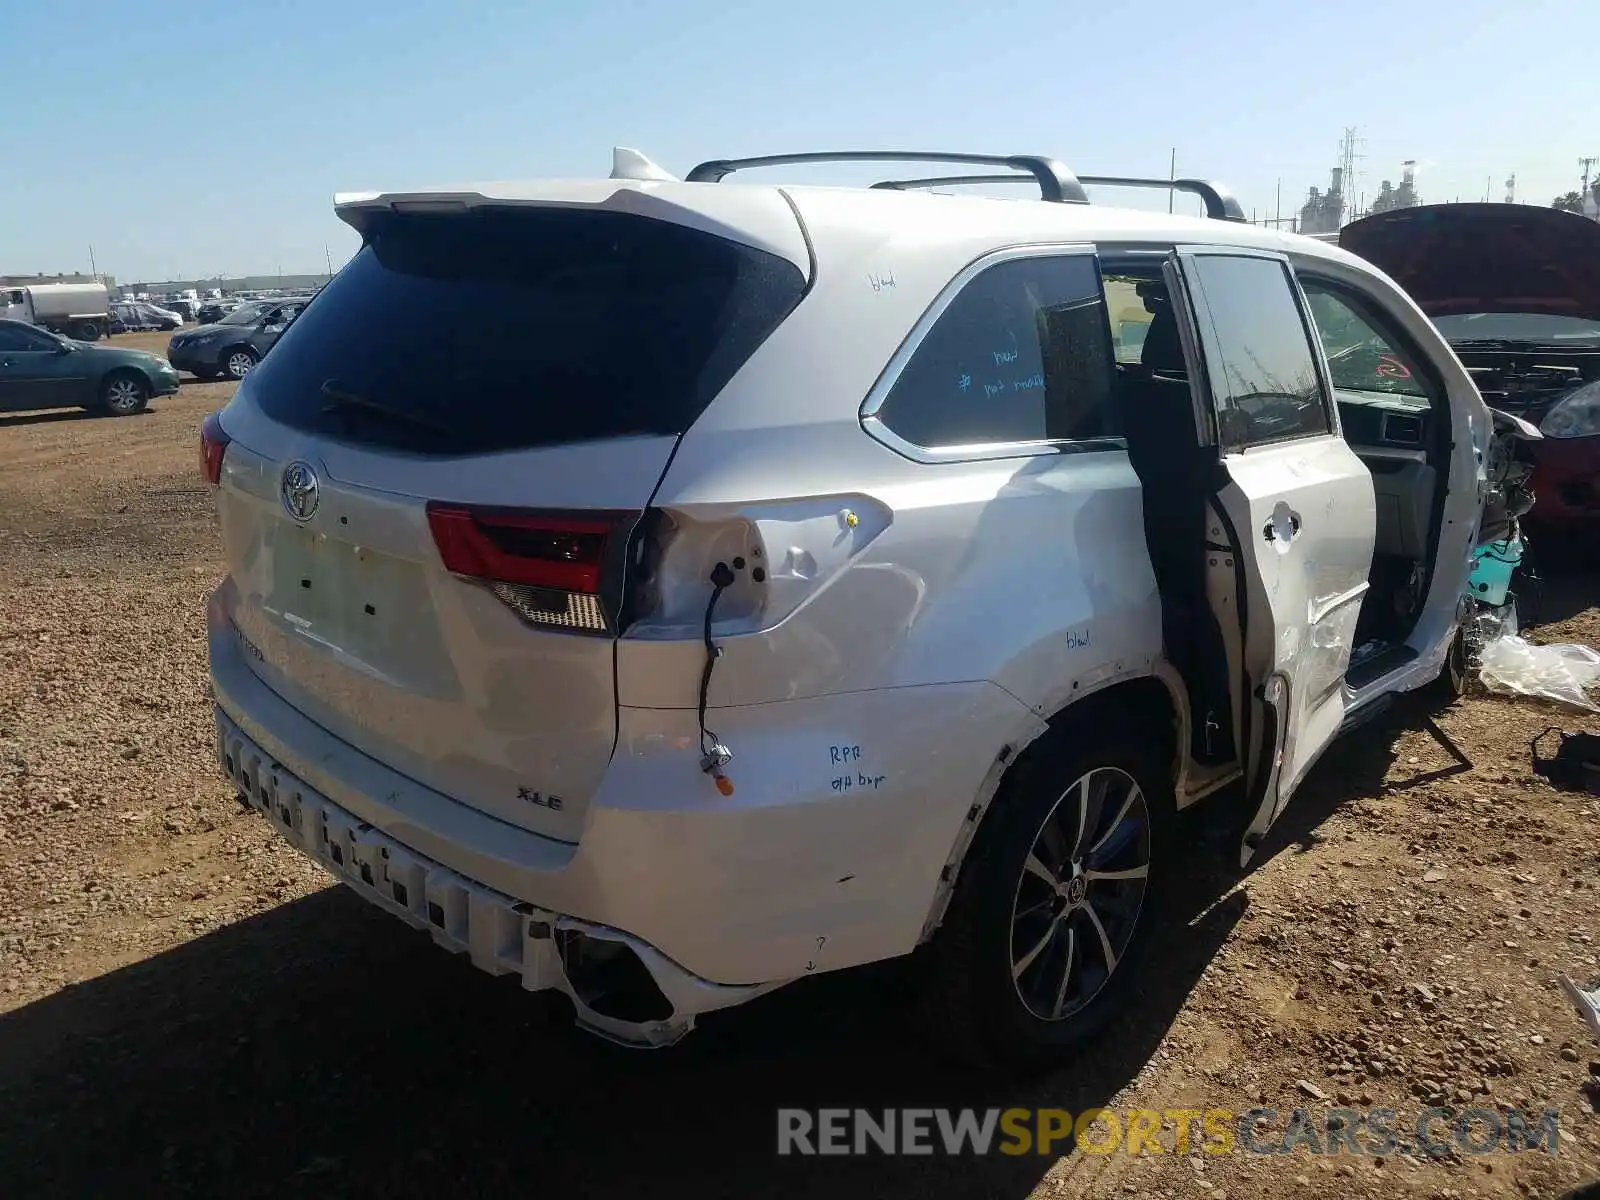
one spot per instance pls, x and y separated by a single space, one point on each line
191 137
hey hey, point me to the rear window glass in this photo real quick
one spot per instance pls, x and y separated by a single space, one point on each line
508 329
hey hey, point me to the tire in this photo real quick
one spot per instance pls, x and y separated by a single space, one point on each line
86 331
206 373
978 1004
124 393
238 362
1451 684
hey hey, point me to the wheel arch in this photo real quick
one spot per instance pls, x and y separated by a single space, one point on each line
1154 701
122 371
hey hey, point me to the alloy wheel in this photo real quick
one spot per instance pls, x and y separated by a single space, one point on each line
1080 893
123 395
239 364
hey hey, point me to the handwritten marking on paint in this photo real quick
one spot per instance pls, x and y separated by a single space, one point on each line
859 782
1077 639
880 282
853 780
811 964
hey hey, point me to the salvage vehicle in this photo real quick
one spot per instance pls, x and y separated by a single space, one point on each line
662 590
1516 291
39 369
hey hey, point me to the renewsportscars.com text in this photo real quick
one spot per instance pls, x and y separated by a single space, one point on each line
976 1132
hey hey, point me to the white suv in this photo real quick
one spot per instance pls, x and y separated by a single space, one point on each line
665 589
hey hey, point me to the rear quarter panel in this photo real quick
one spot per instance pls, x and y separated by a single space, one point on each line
1030 573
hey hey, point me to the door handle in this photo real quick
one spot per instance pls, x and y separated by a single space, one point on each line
1270 529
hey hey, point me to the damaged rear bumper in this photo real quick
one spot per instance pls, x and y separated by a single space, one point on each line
621 987
833 852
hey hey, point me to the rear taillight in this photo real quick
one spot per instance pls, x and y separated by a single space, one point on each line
558 570
213 445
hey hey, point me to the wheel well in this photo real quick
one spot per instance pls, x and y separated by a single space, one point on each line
122 373
1143 702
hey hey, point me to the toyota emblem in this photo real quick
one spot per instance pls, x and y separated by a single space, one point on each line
299 491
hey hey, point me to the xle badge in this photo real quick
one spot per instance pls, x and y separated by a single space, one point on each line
542 799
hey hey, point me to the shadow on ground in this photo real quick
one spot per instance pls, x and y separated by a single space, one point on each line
47 416
324 1047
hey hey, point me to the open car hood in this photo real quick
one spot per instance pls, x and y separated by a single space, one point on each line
1482 258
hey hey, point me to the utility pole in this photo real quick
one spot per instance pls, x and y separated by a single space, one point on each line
1349 153
93 274
1172 173
1277 208
1586 163
327 258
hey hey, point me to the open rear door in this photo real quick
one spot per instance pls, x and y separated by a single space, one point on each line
1295 505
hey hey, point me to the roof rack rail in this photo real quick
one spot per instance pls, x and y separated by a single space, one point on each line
1219 201
1056 182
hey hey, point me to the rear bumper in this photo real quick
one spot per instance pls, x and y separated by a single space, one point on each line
1566 482
721 898
500 934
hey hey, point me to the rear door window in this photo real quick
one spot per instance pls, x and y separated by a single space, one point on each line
513 328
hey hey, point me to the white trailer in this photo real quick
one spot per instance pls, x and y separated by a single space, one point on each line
75 309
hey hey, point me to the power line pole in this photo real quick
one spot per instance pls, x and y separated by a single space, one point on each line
1172 173
1349 153
93 274
1586 163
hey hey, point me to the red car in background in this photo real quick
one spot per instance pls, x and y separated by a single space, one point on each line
1516 290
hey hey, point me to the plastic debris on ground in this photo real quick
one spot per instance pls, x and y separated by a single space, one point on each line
1563 672
1587 1003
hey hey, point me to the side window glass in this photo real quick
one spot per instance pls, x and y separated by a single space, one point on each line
12 339
1360 357
1263 371
1022 354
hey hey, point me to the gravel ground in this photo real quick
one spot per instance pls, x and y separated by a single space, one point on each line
188 1008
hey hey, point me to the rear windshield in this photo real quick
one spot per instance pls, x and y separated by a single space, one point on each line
512 328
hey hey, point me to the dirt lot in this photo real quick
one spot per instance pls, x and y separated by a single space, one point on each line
188 1008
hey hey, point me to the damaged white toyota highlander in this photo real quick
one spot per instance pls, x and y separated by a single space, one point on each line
661 590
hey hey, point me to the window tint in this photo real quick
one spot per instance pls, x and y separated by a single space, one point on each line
1263 370
1022 354
1360 358
21 337
512 328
